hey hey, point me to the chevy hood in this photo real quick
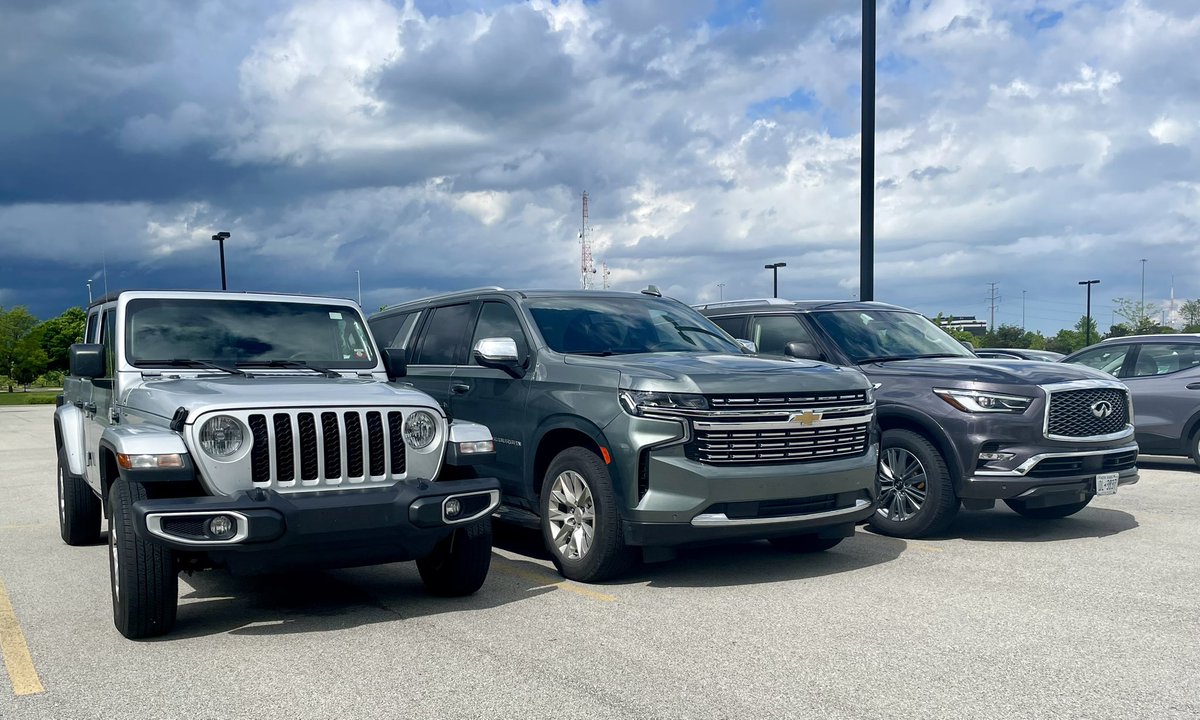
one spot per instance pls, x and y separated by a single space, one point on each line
721 373
979 370
201 394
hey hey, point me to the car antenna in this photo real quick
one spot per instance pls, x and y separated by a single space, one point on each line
652 290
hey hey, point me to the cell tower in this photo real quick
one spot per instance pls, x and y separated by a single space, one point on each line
587 268
604 275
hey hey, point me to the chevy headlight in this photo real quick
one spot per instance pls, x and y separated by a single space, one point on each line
222 436
419 429
636 402
975 401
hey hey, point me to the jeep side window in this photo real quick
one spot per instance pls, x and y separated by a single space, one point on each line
108 324
498 319
772 333
443 339
1109 359
89 335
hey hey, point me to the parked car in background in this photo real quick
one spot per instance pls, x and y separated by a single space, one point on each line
1043 437
1163 376
627 422
1019 354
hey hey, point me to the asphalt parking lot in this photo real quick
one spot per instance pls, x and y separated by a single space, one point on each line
1093 616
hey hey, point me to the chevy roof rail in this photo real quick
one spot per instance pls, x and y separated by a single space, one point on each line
738 303
447 296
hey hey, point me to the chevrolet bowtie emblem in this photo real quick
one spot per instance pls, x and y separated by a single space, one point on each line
808 417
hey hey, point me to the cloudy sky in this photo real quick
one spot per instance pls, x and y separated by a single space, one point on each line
442 144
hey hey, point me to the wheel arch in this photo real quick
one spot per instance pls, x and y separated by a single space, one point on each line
557 435
928 428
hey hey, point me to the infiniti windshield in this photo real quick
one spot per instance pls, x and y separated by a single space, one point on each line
625 325
875 335
245 332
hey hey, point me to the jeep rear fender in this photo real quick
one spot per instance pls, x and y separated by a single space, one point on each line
68 435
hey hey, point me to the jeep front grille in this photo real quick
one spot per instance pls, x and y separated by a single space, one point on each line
299 449
1081 414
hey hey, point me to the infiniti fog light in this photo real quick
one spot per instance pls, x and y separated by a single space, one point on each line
995 456
453 508
222 527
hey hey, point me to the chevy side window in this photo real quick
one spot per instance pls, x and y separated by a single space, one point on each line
393 331
499 320
772 333
1109 359
1166 358
442 342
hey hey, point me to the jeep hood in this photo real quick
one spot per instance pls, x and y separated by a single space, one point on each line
979 370
723 373
202 394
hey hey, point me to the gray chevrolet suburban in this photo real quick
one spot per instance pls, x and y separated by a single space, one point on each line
624 420
956 429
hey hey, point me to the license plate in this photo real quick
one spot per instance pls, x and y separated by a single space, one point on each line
1106 483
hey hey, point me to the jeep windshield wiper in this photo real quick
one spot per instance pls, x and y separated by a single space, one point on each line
296 364
187 362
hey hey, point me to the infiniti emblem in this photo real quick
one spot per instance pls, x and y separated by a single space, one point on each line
1102 408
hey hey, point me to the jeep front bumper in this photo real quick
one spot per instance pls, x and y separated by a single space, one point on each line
269 530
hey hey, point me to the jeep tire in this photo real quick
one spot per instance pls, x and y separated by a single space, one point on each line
581 524
459 564
143 577
78 507
916 496
1050 512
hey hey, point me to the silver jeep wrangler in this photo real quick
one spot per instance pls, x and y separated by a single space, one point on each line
258 432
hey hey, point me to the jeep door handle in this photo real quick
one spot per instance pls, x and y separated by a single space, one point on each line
1193 386
89 407
460 388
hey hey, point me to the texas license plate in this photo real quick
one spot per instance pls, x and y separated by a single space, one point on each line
1106 483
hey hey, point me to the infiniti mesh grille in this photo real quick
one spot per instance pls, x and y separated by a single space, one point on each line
1082 413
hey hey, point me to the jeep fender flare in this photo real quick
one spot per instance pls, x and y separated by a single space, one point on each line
907 418
142 440
69 437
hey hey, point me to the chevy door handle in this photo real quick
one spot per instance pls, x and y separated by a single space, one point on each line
460 388
1193 386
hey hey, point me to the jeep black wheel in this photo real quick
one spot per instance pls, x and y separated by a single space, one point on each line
916 496
805 543
1052 512
143 576
459 564
581 524
78 507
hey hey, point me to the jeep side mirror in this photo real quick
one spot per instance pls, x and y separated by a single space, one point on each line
500 353
802 351
87 360
748 346
395 363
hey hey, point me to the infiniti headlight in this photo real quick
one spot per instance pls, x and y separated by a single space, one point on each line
636 402
975 401
222 436
419 429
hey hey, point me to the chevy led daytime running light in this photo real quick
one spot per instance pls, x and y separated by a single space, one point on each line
975 401
419 429
131 462
636 402
222 436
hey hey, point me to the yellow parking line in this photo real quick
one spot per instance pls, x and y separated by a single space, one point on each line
544 579
17 660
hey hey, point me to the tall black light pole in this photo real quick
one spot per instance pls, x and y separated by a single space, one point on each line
1087 327
866 216
221 237
774 268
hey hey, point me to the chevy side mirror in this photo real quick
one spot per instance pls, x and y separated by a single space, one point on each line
395 363
87 360
499 353
802 351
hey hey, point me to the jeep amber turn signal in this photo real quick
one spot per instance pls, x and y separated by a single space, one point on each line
476 447
131 462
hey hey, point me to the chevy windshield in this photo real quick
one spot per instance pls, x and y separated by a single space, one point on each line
621 326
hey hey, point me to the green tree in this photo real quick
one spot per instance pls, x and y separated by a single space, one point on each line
15 326
29 361
1142 317
1189 311
58 334
1119 330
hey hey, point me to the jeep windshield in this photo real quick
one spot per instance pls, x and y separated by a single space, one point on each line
883 335
165 332
625 325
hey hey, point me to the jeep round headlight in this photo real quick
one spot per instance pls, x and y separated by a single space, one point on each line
221 436
420 429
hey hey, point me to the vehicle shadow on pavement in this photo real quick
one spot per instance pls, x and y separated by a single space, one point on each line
214 602
729 564
1164 462
1003 525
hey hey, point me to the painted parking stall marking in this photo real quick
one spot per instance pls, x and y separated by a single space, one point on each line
17 660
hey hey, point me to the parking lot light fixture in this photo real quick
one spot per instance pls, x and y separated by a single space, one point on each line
1087 323
774 268
221 237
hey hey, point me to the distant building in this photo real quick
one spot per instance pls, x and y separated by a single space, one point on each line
964 322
